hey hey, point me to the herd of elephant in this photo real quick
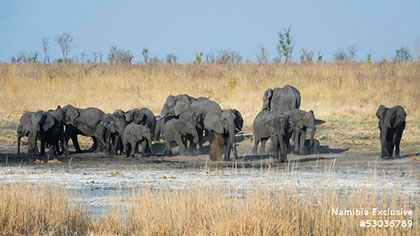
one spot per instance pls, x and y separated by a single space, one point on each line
190 122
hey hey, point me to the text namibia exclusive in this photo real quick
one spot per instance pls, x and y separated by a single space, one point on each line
373 212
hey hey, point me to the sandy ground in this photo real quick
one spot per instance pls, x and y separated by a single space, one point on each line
99 179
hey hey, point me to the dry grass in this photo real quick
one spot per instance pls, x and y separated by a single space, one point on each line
43 210
341 92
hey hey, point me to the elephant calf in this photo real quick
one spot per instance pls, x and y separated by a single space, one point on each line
176 130
134 135
260 131
314 148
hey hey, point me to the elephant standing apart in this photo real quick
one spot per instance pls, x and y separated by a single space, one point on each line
226 123
280 132
281 99
82 121
134 135
391 125
176 130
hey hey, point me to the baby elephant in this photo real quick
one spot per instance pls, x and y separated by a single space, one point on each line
176 130
314 149
134 135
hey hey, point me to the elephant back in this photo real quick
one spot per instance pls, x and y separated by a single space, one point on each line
285 99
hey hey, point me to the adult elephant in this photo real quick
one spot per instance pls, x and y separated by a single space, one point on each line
185 105
29 126
391 125
300 121
281 99
52 132
226 123
81 121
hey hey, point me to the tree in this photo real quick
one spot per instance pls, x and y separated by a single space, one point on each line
369 56
285 45
306 56
145 54
262 56
227 56
351 53
402 54
45 48
116 55
171 58
65 42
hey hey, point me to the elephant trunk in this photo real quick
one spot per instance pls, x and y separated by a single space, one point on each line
232 141
311 140
18 143
32 141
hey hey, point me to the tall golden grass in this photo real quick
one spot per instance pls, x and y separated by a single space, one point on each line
352 89
345 95
45 210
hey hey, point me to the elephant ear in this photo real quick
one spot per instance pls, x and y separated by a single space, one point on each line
48 122
380 113
213 122
268 94
296 119
400 116
72 113
181 106
129 115
239 121
139 117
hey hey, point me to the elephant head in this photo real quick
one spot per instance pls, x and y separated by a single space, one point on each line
136 115
175 105
119 113
268 94
71 113
303 120
239 121
147 135
395 118
190 126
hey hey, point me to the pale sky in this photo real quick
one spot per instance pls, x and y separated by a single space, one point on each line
190 26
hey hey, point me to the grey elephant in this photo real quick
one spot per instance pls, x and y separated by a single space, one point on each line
280 132
111 129
175 131
391 125
185 105
81 121
226 123
142 116
52 133
301 121
281 99
314 148
135 134
45 126
29 126
260 131
160 123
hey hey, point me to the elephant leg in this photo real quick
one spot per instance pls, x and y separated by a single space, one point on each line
283 151
256 142
181 146
76 143
296 135
391 145
51 152
134 147
263 144
397 143
43 147
18 144
168 148
64 146
301 143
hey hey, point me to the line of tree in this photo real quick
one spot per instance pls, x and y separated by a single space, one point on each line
285 48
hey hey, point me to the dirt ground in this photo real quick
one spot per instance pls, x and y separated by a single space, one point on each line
100 179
